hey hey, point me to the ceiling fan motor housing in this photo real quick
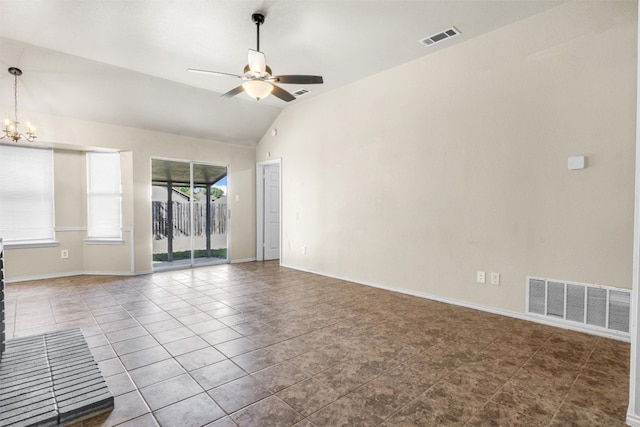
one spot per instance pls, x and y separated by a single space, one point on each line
267 69
258 18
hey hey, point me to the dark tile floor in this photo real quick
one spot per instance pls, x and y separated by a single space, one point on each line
260 345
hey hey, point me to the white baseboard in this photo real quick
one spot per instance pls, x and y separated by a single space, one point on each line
141 273
44 276
241 260
446 300
73 273
110 273
633 420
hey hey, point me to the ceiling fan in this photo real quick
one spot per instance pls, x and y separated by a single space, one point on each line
258 77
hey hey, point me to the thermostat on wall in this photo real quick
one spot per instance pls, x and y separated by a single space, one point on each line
576 162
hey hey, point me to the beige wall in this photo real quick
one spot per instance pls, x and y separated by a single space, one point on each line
70 137
417 177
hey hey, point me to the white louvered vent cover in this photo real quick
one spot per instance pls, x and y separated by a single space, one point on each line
444 35
592 306
301 92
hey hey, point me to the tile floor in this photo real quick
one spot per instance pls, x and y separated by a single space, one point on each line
260 345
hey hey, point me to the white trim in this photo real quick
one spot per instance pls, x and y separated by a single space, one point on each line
633 410
132 239
589 329
108 273
30 245
241 260
67 229
544 321
44 276
192 197
633 420
260 205
228 196
96 241
75 273
259 212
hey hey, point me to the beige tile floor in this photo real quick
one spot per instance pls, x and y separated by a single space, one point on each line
260 345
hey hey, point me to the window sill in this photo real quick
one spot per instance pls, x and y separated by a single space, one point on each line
95 241
29 245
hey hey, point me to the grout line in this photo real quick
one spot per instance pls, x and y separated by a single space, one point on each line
513 375
172 357
136 389
582 367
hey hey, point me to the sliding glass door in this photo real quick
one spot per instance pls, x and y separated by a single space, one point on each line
189 209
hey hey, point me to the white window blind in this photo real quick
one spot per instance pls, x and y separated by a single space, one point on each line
26 194
104 197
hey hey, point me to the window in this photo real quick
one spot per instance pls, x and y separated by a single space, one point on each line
104 197
26 194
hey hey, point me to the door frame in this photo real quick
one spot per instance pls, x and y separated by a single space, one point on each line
260 206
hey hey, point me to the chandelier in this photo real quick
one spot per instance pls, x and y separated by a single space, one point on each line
11 126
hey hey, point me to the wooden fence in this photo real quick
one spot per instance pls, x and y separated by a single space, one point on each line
181 219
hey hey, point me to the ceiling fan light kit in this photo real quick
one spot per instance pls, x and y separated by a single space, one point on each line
258 77
257 89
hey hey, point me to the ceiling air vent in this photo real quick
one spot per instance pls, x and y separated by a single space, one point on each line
444 35
301 92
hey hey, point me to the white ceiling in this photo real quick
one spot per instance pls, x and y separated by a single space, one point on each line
124 61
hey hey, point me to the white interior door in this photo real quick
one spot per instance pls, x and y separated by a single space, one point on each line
271 211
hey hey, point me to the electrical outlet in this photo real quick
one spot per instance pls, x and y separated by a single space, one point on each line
303 250
64 253
480 277
495 279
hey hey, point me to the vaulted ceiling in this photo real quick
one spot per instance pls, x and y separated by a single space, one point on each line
124 61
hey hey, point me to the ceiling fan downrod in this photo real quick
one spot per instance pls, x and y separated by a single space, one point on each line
258 19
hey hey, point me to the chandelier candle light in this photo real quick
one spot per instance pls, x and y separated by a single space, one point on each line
11 126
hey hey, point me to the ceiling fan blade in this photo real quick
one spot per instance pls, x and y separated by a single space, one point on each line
282 94
233 92
299 79
214 73
257 61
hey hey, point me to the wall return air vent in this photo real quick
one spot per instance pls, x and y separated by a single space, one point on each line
587 307
444 35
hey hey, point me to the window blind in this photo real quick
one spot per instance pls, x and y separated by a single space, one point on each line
104 197
26 194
